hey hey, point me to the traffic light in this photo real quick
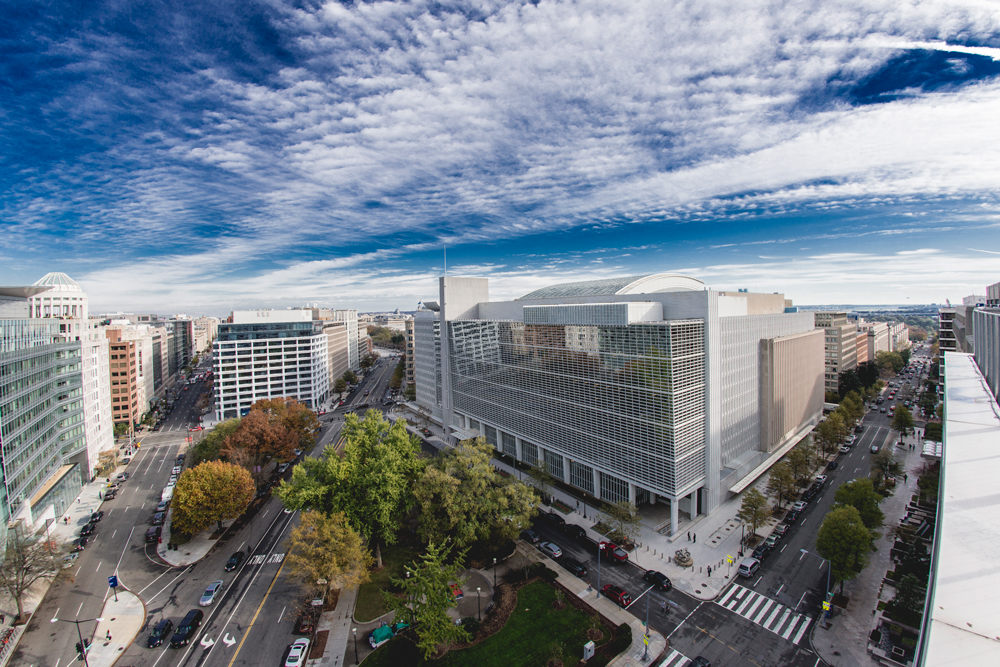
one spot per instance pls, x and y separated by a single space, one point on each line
79 648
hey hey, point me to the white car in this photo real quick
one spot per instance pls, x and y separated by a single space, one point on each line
176 470
297 653
821 479
799 505
844 449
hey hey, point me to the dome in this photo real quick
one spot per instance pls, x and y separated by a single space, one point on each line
58 282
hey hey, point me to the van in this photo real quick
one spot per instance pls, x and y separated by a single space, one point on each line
168 493
186 628
749 567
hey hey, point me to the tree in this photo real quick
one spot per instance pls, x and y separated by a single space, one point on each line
848 381
372 484
542 479
831 397
325 547
889 361
884 465
905 355
121 428
932 432
368 361
867 373
462 497
349 377
623 520
781 482
209 448
844 541
300 421
902 421
827 433
258 440
800 460
26 560
340 386
908 603
854 405
861 495
397 374
211 491
428 597
753 510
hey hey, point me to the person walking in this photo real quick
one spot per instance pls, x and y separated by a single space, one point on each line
696 538
109 635
710 570
905 478
689 536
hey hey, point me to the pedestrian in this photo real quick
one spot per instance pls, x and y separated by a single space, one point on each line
905 478
696 538
109 635
65 519
689 536
710 570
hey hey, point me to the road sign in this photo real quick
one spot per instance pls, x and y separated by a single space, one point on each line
645 640
729 559
113 581
826 606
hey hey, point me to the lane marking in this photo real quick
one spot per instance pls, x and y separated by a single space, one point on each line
254 619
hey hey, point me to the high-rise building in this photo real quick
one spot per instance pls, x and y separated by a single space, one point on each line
651 389
840 346
270 354
43 448
409 352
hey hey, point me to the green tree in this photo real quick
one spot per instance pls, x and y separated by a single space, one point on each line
623 520
905 355
800 460
372 484
902 421
397 374
848 381
868 373
854 405
26 560
884 465
209 448
340 386
827 434
844 541
860 494
326 548
121 429
542 479
368 361
349 377
213 491
889 361
427 598
410 393
462 497
831 397
932 432
781 482
753 510
908 603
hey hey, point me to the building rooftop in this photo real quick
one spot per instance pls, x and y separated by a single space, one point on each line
59 282
964 623
645 284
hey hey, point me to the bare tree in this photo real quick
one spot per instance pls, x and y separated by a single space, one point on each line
26 560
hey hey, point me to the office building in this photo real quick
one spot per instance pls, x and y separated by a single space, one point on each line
861 345
409 352
651 389
271 354
840 346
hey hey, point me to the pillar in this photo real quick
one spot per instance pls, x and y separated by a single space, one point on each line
517 449
597 484
566 476
674 515
631 493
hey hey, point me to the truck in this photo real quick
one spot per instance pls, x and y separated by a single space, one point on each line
613 552
168 492
384 633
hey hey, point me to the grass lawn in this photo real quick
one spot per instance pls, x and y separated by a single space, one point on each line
370 604
527 639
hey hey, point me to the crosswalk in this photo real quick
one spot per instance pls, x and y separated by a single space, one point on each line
266 558
767 613
675 659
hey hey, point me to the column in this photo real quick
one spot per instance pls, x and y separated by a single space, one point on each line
652 497
597 485
674 516
566 476
517 449
631 493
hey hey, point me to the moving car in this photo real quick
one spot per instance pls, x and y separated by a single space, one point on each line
550 549
297 653
159 633
186 628
658 579
552 518
874 449
573 530
210 593
234 561
617 594
96 516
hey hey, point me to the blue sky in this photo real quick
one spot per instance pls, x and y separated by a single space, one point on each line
211 155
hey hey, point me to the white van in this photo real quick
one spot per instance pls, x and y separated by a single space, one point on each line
168 493
749 567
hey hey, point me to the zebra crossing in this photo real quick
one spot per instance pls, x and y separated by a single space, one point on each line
260 559
675 659
767 613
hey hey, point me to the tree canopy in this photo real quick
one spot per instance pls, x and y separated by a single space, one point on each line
257 440
753 510
867 372
902 421
801 459
211 491
300 421
890 361
372 484
209 448
861 495
623 520
462 497
781 482
325 547
844 541
884 465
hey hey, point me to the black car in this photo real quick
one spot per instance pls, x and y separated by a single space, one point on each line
552 518
576 568
96 516
186 628
153 534
791 516
79 544
87 530
234 561
575 531
658 579
832 465
158 518
761 552
159 633
530 536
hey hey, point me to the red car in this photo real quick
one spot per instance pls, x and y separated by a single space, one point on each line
617 594
197 428
614 552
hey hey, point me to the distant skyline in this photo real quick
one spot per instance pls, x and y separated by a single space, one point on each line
219 155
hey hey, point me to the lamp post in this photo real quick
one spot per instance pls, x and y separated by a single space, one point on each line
78 633
494 575
829 567
599 561
479 606
355 632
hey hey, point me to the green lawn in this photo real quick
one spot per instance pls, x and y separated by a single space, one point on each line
527 639
370 604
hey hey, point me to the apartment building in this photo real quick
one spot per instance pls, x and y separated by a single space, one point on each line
652 389
840 346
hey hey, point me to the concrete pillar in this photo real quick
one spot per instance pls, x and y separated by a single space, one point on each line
597 485
631 493
652 497
674 515
566 470
517 448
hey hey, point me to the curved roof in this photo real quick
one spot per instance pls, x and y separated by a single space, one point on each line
59 282
647 284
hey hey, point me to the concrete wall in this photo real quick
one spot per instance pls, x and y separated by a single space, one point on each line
792 387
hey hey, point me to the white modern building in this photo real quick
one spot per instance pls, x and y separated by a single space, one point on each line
652 389
270 354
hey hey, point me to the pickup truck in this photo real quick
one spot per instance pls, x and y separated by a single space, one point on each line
614 552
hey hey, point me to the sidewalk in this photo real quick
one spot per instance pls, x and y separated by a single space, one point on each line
845 642
123 619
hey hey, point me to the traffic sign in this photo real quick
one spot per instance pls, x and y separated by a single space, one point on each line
113 581
645 640
826 606
729 559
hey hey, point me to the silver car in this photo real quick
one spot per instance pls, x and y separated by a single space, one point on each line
210 593
550 549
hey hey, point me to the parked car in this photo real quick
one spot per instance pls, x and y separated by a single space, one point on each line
761 552
791 516
210 593
576 568
772 540
832 465
820 479
613 551
551 549
162 506
700 661
575 531
186 628
79 543
87 530
159 633
799 505
530 536
176 470
282 467
126 461
658 579
297 653
781 529
153 534
158 518
844 449
234 561
122 476
96 516
749 567
552 518
617 594
874 449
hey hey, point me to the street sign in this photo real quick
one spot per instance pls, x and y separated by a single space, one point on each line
826 606
113 581
729 559
645 640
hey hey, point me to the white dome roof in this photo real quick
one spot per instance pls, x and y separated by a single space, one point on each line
59 282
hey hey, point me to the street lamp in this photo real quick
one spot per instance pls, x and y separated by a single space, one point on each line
494 575
79 634
479 607
355 632
828 569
